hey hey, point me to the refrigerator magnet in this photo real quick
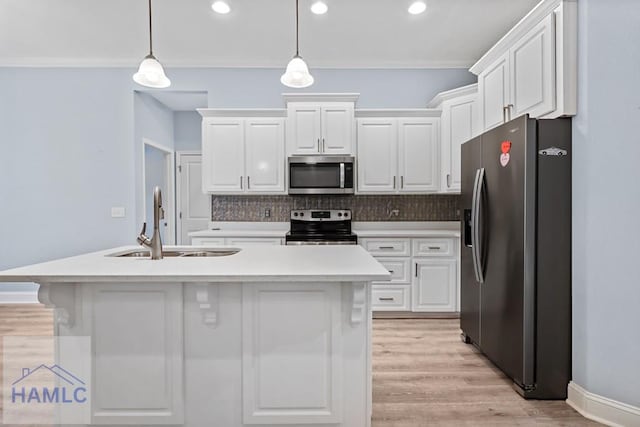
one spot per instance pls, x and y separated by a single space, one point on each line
504 159
506 147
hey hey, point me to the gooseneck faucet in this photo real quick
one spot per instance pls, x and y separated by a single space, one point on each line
154 243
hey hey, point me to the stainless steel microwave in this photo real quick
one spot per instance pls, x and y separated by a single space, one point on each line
321 174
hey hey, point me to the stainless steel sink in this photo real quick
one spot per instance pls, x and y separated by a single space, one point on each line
182 253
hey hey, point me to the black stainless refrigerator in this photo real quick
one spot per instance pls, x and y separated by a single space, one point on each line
516 252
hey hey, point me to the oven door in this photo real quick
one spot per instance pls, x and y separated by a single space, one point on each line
321 175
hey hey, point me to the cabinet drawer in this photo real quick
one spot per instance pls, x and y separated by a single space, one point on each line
433 247
388 247
391 297
207 241
398 267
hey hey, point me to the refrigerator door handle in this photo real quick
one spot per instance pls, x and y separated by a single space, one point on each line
474 226
476 229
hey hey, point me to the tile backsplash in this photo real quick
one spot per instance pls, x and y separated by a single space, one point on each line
436 207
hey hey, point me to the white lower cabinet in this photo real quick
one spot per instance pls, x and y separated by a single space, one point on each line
434 285
387 297
424 273
236 241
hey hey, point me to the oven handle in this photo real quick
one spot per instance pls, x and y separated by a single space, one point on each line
341 175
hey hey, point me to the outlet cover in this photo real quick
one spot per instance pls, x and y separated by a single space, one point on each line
118 212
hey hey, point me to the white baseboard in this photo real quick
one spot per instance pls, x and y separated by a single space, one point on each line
602 409
15 297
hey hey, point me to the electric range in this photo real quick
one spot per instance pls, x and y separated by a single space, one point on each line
321 227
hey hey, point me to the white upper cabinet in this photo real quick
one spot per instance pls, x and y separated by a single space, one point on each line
532 76
377 150
458 124
532 69
265 155
337 128
305 131
320 123
493 85
223 155
243 155
419 166
398 154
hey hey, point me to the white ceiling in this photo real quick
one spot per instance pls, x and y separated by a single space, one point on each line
257 33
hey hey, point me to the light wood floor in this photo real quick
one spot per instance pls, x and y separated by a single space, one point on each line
423 375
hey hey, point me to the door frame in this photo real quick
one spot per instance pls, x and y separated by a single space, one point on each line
168 196
179 188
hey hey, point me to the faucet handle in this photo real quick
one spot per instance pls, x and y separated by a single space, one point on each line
144 228
161 212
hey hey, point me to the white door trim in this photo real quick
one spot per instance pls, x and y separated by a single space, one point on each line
602 409
168 196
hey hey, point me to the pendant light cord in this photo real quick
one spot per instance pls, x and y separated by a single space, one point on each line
150 32
297 42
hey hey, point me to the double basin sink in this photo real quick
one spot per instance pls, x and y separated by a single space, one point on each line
178 253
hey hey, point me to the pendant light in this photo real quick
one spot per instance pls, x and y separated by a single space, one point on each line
297 74
150 73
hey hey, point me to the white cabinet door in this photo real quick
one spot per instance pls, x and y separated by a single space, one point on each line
265 155
305 130
337 129
223 156
459 117
419 167
532 68
434 286
493 87
377 151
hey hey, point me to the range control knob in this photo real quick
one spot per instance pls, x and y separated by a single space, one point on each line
339 214
301 213
295 214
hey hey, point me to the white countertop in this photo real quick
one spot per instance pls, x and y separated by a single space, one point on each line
361 229
270 264
407 229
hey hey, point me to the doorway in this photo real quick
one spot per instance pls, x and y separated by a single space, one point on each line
194 206
158 171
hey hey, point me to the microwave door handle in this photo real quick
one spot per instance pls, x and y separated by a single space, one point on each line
341 175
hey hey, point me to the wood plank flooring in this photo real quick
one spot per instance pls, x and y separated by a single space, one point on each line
423 375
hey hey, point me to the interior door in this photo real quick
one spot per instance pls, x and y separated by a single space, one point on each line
469 286
194 209
506 302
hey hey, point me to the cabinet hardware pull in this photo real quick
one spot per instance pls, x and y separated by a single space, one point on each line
385 247
391 271
324 146
434 247
402 182
385 299
248 182
504 114
394 182
448 180
319 145
509 107
416 269
241 183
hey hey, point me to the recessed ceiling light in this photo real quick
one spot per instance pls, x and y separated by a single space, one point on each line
220 7
417 7
319 8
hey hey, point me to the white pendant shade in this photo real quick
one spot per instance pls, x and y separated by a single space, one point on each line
297 74
151 74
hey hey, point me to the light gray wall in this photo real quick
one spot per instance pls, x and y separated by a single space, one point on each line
70 143
187 130
606 201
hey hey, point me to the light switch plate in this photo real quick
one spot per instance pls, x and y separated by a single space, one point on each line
118 212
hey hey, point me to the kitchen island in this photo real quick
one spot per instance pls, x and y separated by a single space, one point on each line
266 336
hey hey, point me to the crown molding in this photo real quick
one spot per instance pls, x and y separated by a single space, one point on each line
320 97
398 112
242 112
542 9
437 100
